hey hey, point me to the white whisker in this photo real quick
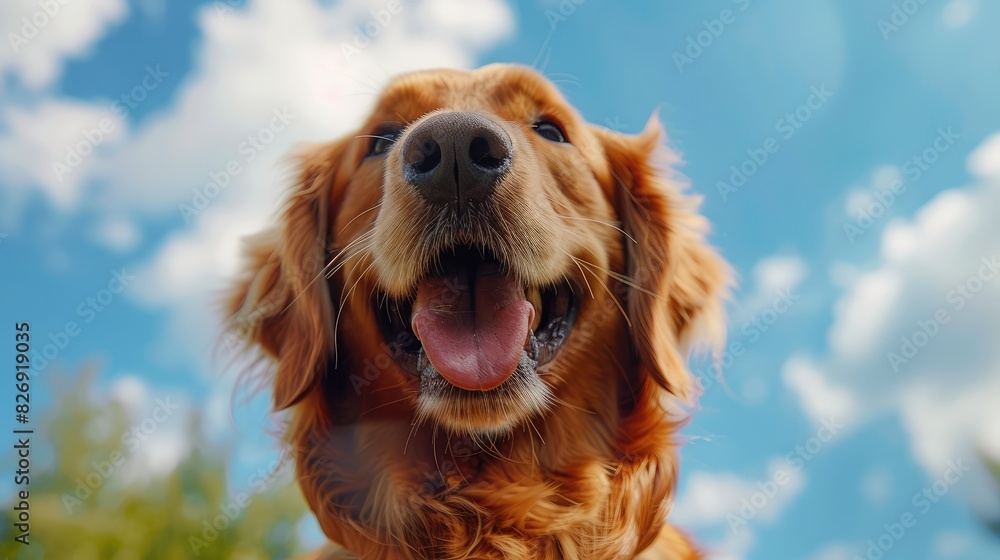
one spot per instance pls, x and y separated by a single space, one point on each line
595 220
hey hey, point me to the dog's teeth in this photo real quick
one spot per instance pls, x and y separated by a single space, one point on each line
531 346
534 297
414 309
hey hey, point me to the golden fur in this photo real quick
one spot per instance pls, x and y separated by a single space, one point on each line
585 468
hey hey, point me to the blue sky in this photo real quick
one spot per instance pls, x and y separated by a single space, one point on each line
871 215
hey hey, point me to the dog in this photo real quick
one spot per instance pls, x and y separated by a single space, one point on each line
477 312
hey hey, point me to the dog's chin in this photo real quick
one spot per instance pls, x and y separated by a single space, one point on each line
486 413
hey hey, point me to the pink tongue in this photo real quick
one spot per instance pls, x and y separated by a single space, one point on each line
473 334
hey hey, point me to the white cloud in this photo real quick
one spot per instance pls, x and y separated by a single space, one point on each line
240 81
733 505
946 424
39 40
777 272
156 438
864 313
159 455
985 161
860 199
938 226
958 13
917 332
117 233
948 544
771 276
820 398
942 420
478 23
707 498
131 392
187 266
54 133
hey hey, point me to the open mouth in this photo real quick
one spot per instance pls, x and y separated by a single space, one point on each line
474 324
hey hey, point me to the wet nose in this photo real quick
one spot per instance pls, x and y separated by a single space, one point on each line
456 157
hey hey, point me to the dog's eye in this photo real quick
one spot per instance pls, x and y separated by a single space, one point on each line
383 139
550 131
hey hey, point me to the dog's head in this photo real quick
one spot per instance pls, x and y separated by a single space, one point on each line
473 255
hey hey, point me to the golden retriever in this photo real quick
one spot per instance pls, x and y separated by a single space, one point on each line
478 309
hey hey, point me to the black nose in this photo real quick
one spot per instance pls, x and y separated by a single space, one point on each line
456 157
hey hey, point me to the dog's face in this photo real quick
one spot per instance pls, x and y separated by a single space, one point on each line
465 229
477 259
491 221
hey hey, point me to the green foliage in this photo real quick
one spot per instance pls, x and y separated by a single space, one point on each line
128 518
994 467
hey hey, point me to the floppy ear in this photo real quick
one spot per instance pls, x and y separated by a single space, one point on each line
282 302
681 280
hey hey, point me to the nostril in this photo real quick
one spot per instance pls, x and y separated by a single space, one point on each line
431 157
479 153
455 157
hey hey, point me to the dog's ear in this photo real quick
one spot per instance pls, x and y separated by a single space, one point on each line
681 282
281 304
